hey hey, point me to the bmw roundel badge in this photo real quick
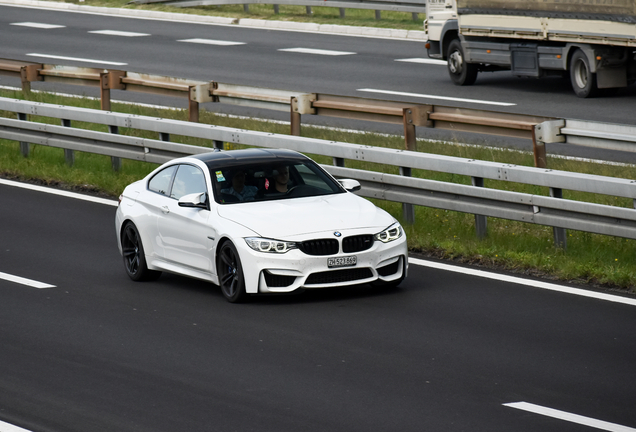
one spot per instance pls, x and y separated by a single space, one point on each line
337 233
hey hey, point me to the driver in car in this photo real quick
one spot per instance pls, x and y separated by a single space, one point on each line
281 179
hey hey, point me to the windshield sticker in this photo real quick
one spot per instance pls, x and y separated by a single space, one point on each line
219 176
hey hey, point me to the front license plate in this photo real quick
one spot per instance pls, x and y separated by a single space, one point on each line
347 261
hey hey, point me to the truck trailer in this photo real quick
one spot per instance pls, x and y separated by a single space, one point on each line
590 42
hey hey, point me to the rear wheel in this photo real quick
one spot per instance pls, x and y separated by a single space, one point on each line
134 256
581 76
461 73
230 271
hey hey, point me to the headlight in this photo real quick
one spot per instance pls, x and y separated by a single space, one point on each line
269 245
393 232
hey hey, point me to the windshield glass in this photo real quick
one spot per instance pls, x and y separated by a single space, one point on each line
274 181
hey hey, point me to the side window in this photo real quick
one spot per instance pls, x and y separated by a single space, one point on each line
160 183
189 180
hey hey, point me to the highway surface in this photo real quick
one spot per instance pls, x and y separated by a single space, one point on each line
83 348
307 62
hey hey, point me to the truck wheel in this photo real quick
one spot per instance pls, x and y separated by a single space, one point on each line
581 76
461 73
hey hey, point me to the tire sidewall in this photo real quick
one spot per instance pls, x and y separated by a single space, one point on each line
239 295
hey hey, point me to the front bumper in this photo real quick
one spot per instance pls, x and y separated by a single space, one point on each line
280 273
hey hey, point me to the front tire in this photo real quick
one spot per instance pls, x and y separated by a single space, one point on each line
461 73
134 256
230 270
581 76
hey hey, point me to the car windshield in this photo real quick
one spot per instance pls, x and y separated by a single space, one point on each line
273 181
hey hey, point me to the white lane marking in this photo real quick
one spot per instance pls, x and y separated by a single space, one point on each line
38 25
317 51
8 427
573 418
522 281
423 60
118 33
59 192
426 96
24 281
211 42
76 59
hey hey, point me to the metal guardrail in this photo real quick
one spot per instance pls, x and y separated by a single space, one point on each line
296 103
552 211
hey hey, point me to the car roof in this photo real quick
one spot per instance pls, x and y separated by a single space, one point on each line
231 158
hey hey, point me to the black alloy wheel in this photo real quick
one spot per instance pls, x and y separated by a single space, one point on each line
230 272
134 257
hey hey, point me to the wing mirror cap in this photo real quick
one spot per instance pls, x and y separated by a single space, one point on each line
196 200
350 184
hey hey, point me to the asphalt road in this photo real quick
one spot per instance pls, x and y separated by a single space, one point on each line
444 352
258 61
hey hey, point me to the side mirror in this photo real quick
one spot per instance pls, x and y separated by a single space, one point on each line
350 184
196 200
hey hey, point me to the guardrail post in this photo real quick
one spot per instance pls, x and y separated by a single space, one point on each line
378 15
246 8
104 94
28 74
218 144
276 9
193 108
294 122
560 234
481 222
308 10
339 162
408 210
410 140
115 161
342 13
414 16
163 136
69 155
25 147
538 149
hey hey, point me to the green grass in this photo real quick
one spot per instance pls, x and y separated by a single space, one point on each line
320 15
514 246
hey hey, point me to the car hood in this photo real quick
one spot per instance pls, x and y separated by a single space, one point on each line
284 219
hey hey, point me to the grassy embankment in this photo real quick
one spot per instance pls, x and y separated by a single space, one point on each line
319 15
511 245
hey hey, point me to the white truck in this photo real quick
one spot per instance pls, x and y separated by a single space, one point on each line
591 42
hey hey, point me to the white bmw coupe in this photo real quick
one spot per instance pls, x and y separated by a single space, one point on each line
256 221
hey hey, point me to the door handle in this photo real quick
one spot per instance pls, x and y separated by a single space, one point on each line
165 209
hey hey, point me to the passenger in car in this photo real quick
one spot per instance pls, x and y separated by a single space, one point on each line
239 189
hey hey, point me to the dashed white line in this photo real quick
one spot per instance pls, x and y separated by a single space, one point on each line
427 96
526 282
573 418
38 25
211 42
119 33
24 281
316 51
84 60
423 60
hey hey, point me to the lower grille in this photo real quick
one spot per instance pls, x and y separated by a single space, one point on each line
339 276
390 269
278 281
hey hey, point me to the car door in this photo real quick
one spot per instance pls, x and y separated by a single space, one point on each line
184 232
